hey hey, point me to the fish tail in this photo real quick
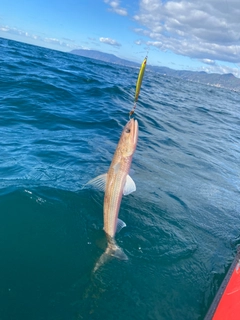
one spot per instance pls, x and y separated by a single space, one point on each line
113 250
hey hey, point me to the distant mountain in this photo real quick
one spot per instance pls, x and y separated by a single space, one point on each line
228 81
106 57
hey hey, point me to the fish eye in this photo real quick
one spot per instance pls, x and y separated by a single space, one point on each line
127 130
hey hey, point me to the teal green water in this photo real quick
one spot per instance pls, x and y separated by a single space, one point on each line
61 118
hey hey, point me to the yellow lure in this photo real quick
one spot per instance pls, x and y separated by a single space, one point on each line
139 80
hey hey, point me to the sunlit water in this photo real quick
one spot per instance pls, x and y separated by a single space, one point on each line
61 119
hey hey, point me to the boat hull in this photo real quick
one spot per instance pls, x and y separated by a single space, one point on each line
226 304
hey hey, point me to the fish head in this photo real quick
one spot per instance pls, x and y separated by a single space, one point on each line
128 141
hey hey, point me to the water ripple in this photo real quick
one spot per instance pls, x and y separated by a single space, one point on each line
61 118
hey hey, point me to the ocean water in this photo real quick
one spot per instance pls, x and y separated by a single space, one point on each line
61 119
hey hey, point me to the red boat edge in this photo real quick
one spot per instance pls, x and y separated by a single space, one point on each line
226 302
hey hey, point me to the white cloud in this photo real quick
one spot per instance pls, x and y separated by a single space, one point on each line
115 7
52 40
202 29
4 29
60 43
222 70
19 34
110 42
208 61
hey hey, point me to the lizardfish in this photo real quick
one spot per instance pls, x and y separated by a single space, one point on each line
116 183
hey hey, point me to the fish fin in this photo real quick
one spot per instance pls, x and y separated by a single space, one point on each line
101 261
113 250
99 182
120 224
129 186
118 253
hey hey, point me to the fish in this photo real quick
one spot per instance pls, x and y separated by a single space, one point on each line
116 183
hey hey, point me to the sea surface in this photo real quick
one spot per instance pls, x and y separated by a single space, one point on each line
61 119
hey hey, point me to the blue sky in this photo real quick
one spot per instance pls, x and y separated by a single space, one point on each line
199 35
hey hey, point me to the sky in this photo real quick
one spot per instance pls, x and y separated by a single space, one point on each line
197 35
